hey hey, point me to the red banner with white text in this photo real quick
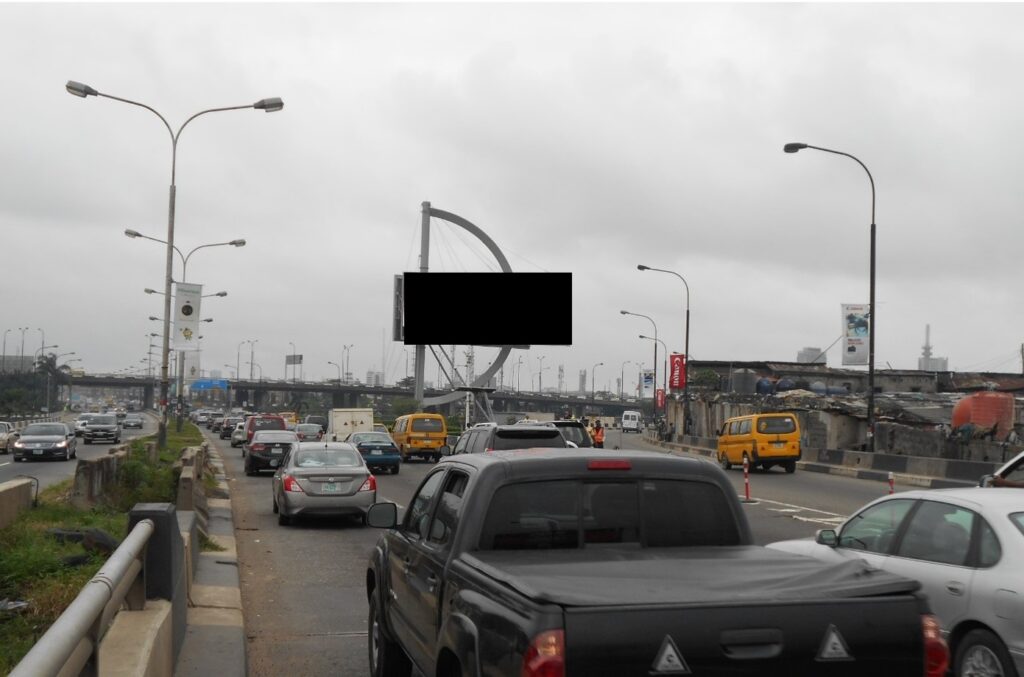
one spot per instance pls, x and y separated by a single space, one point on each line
661 398
676 371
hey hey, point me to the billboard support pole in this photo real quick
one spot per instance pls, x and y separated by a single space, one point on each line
421 351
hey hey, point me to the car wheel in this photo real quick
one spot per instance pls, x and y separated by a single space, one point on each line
982 653
67 454
283 520
248 469
275 506
386 658
723 460
395 469
790 467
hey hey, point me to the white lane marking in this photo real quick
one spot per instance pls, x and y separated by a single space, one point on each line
820 517
3 464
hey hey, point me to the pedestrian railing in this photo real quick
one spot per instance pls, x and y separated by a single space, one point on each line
71 645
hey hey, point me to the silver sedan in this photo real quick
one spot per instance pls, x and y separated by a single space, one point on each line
966 547
323 478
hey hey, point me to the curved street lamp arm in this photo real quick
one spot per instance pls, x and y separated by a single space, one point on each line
142 105
863 166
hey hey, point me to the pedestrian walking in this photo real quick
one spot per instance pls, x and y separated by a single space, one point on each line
598 435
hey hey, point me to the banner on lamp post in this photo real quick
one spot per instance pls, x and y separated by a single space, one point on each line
647 383
856 333
187 298
193 370
676 371
660 399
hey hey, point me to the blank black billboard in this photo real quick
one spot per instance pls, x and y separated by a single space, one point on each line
488 309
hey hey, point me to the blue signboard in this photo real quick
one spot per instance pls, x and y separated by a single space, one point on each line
209 384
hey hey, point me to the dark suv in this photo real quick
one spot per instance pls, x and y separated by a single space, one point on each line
102 427
515 436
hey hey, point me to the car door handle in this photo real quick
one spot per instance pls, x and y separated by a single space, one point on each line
431 582
405 565
955 588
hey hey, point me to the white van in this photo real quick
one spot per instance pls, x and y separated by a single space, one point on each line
631 421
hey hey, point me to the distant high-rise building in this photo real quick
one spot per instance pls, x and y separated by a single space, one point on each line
811 356
374 378
926 362
583 381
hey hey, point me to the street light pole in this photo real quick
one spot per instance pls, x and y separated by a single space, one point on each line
3 356
686 346
346 354
293 364
252 356
268 105
21 358
592 376
796 147
654 403
339 370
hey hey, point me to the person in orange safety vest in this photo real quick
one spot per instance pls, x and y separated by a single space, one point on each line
598 435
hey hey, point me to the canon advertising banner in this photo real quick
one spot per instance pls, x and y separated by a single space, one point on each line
676 371
856 332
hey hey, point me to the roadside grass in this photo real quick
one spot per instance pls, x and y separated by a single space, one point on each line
31 561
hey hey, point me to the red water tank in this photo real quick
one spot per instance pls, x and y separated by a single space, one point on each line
984 410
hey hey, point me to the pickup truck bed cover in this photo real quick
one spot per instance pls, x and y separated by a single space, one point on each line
692 576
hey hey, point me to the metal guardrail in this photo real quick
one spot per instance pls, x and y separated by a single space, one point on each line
70 646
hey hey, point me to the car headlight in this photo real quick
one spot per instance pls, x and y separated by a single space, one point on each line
62 443
19 445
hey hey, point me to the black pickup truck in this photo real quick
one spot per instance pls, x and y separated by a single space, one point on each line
565 563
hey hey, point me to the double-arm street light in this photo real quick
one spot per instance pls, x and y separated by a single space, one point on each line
346 353
794 148
686 346
240 242
339 370
654 399
622 379
592 377
268 105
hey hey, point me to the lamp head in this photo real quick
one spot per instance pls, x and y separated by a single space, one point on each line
221 294
208 319
642 267
132 233
78 89
154 317
237 243
624 312
794 147
270 105
149 291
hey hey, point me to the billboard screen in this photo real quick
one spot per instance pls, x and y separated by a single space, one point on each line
487 309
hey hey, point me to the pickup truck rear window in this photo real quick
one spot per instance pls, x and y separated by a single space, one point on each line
570 514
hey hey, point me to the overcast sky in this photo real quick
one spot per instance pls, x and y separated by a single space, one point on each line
582 138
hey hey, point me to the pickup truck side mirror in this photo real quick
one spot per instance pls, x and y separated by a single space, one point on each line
986 480
827 537
382 515
446 450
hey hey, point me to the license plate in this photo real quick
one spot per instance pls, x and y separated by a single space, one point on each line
778 445
331 488
37 452
277 451
376 452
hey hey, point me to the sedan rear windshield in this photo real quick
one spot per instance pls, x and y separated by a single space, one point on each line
520 439
322 458
47 429
776 425
275 436
268 424
570 514
427 425
370 438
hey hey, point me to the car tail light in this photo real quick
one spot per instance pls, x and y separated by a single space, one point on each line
291 484
370 484
545 657
257 447
936 651
609 464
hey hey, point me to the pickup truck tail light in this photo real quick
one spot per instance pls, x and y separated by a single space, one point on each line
370 484
936 651
609 464
545 657
291 484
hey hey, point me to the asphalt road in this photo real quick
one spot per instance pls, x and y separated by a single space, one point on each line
303 590
51 472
